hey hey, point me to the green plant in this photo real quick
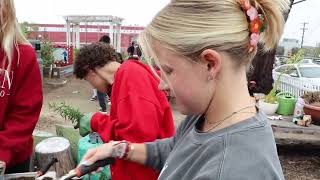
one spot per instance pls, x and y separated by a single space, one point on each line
47 53
75 53
25 29
67 112
312 97
295 59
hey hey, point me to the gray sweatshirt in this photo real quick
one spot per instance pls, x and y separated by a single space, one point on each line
243 151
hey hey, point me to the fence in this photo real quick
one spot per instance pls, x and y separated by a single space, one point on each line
295 86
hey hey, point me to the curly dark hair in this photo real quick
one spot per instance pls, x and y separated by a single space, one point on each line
93 56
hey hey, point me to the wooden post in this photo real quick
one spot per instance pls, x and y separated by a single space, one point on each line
55 147
38 136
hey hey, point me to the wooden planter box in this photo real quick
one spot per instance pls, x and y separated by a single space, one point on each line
59 72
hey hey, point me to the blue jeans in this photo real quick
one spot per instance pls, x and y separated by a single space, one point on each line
102 100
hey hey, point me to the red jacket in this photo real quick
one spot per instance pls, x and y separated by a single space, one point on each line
20 105
139 113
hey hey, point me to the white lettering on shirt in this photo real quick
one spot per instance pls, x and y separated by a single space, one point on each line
6 78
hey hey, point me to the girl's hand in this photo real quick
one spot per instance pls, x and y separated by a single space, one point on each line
99 153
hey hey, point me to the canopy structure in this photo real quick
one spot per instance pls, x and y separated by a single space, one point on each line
75 21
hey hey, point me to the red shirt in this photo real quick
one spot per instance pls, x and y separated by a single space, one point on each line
20 105
139 113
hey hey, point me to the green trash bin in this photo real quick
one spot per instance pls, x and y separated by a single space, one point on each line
287 102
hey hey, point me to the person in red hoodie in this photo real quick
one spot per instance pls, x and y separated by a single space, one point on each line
20 92
139 111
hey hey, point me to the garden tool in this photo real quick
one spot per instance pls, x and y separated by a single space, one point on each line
84 169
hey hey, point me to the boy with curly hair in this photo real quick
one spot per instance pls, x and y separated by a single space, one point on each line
139 111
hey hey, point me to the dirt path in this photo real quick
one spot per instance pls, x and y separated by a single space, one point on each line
76 93
297 164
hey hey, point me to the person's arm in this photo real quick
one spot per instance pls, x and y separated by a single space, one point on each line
103 125
23 109
141 153
152 154
138 154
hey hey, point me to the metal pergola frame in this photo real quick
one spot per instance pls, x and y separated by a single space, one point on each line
75 20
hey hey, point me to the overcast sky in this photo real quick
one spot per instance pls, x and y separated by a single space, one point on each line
140 12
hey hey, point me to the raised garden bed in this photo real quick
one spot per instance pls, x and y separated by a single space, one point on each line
59 72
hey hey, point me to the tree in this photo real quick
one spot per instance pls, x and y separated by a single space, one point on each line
47 53
262 66
25 29
317 52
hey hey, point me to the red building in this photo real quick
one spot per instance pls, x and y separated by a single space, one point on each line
56 33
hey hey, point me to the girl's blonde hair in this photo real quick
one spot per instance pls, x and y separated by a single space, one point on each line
187 27
10 32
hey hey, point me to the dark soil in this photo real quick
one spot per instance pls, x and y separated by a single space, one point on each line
300 163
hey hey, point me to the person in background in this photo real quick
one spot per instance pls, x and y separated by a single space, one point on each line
102 95
96 93
139 112
203 48
65 56
20 92
134 51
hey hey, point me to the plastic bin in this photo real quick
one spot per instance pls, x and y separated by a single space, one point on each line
92 140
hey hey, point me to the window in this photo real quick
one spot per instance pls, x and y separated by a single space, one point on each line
310 72
288 69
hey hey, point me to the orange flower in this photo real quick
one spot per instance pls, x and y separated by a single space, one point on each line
255 25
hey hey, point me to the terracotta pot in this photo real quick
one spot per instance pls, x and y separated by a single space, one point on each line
314 111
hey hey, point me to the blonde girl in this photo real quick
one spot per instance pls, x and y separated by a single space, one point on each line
203 48
20 92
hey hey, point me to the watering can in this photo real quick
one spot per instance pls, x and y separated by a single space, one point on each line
287 102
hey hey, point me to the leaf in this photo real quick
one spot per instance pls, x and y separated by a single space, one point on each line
67 112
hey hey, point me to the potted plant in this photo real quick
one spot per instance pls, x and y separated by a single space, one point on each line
312 106
47 57
269 104
47 53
